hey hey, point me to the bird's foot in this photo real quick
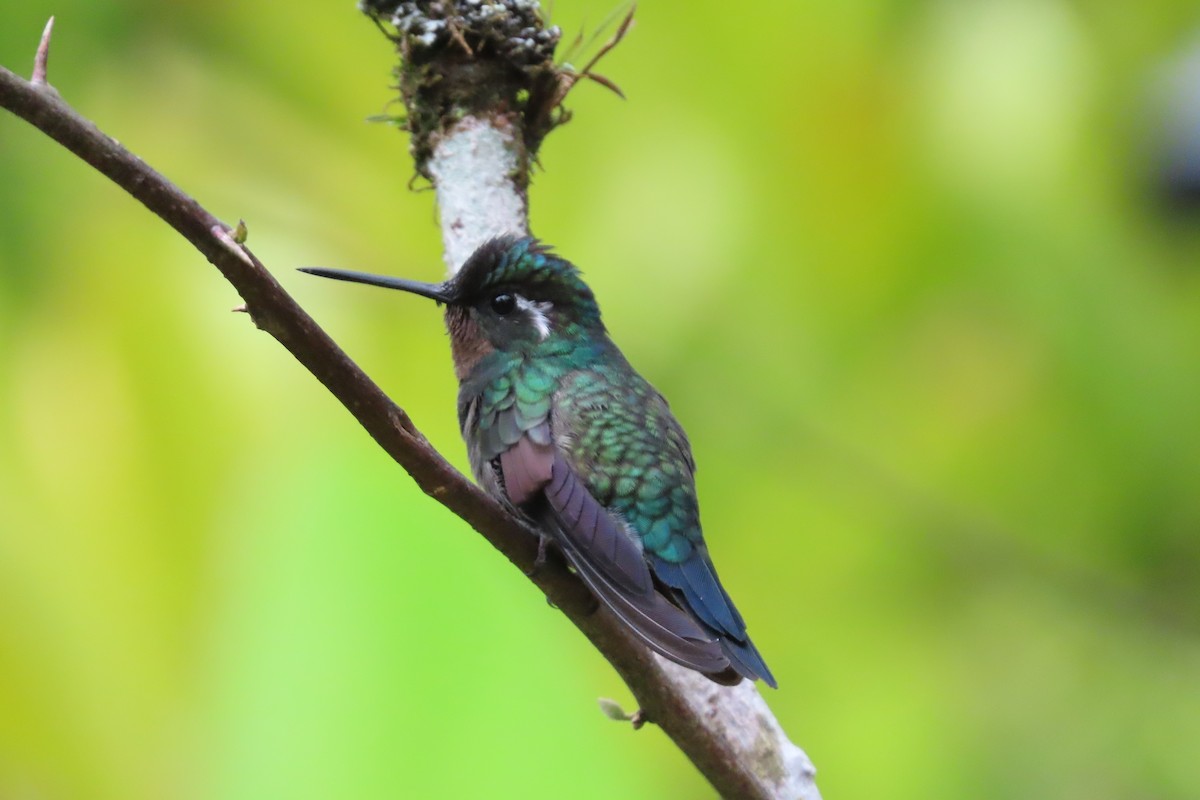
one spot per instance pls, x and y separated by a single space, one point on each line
539 561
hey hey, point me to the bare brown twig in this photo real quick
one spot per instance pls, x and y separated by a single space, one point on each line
567 78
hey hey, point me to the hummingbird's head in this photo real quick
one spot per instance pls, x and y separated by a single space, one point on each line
512 294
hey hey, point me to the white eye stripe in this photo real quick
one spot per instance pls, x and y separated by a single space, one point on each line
537 314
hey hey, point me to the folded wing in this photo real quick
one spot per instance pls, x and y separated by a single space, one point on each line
604 555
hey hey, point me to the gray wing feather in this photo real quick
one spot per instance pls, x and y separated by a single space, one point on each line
526 469
613 567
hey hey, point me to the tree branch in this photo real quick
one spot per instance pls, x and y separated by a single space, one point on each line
727 732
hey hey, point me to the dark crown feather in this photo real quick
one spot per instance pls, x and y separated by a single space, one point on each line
525 265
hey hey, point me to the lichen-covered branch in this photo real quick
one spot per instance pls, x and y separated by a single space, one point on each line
728 733
475 82
481 90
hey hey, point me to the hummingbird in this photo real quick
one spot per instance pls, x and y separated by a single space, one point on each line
562 430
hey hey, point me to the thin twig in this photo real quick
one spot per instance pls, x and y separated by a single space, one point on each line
457 35
569 78
614 40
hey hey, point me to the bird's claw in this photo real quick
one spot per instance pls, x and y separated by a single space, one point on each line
539 560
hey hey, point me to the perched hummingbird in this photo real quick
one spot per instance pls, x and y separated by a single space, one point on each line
562 429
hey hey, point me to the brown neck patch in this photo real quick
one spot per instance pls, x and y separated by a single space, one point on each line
468 345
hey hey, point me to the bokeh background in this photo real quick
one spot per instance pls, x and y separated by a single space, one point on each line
907 271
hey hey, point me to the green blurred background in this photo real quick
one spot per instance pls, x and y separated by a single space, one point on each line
897 265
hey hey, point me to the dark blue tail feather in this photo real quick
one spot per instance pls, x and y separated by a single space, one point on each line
698 582
697 587
747 661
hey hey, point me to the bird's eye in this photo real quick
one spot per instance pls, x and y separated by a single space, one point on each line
503 303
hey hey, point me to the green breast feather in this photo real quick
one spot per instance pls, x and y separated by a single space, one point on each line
617 446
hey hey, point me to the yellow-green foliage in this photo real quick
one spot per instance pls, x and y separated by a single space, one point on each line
895 267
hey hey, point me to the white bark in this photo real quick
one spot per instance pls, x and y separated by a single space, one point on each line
473 166
740 716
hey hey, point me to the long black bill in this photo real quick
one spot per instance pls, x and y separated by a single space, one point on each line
434 291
